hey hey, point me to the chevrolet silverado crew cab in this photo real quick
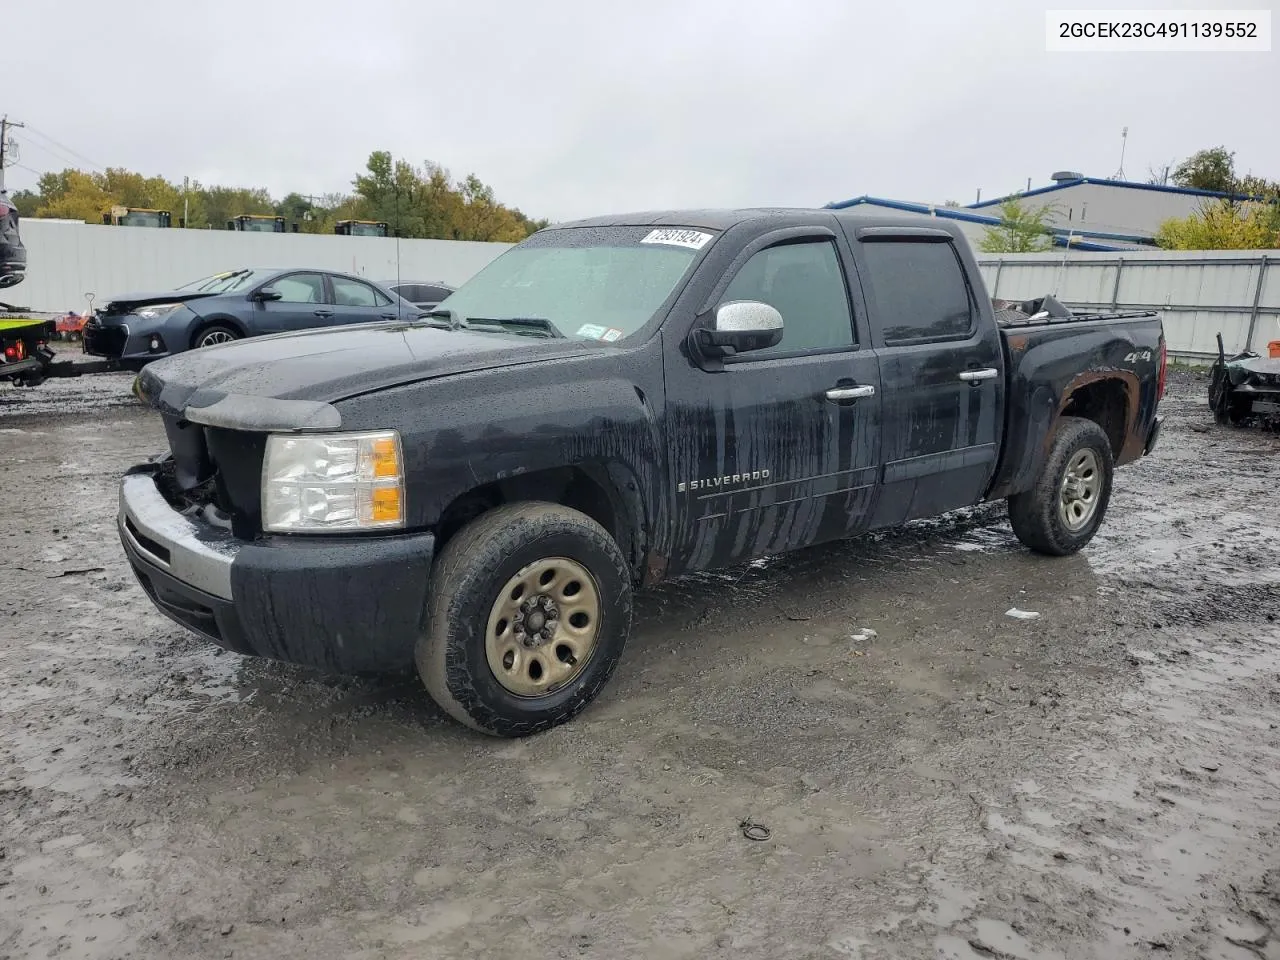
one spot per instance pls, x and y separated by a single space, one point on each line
608 403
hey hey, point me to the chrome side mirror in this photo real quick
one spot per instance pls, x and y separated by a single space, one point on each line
740 326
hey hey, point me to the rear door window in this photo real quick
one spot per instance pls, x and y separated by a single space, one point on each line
353 293
919 290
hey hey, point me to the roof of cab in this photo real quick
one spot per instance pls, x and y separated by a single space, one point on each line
724 219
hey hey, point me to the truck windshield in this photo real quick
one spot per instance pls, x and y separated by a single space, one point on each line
592 283
224 282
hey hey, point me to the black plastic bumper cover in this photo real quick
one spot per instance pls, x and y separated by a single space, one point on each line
346 607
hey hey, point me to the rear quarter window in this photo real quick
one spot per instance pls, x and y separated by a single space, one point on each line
919 290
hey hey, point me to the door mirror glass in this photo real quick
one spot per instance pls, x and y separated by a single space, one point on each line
740 326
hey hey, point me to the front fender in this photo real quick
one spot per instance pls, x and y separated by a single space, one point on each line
465 432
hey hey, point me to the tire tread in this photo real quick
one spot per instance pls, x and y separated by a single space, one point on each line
1034 513
468 562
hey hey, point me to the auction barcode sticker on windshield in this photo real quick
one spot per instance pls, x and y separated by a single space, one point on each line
693 239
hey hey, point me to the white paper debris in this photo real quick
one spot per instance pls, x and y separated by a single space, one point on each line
1021 614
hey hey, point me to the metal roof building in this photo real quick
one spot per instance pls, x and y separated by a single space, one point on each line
1085 213
1109 206
975 224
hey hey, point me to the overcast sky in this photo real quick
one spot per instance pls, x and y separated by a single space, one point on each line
572 108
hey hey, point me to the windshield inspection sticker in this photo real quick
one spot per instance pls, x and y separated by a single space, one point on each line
591 331
693 239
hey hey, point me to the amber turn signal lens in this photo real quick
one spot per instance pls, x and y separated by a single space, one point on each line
388 505
386 458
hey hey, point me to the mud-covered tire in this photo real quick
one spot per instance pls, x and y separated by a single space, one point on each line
467 580
1037 515
213 335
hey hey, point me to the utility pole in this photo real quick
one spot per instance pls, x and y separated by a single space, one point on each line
5 124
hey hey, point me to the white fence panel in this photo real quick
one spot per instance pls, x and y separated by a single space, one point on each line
66 261
1201 293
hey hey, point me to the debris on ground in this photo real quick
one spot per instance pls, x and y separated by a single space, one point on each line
1021 614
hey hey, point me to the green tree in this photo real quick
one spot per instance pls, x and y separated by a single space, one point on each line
1212 169
414 201
1224 225
298 209
220 204
425 202
74 195
1021 230
27 202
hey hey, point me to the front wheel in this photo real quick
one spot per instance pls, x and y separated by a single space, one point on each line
212 336
1064 508
528 613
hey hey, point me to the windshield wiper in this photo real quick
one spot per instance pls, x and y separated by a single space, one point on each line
524 326
213 282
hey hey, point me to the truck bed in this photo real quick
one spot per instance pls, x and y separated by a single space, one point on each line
1025 321
1048 311
1049 358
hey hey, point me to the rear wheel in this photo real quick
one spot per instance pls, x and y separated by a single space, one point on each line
212 336
528 614
1064 508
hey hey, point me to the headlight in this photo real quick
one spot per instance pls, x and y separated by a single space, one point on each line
312 483
153 311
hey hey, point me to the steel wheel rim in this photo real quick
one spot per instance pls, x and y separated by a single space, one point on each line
1081 490
543 627
214 337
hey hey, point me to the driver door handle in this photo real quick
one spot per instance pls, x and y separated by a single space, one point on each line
851 393
974 376
324 313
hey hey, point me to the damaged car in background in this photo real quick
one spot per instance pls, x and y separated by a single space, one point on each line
137 328
1244 386
608 404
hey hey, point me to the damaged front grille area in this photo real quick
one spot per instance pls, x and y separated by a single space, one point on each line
214 472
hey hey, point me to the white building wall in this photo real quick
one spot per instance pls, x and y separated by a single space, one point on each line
66 261
1200 293
1097 207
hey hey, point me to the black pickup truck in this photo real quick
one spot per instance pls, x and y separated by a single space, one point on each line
609 403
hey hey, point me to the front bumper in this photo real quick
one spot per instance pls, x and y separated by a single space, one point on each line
349 605
123 342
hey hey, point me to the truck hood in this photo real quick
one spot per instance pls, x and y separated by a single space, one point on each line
290 381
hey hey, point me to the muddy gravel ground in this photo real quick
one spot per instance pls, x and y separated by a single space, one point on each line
1103 781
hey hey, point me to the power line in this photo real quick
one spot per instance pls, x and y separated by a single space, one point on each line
55 155
62 146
